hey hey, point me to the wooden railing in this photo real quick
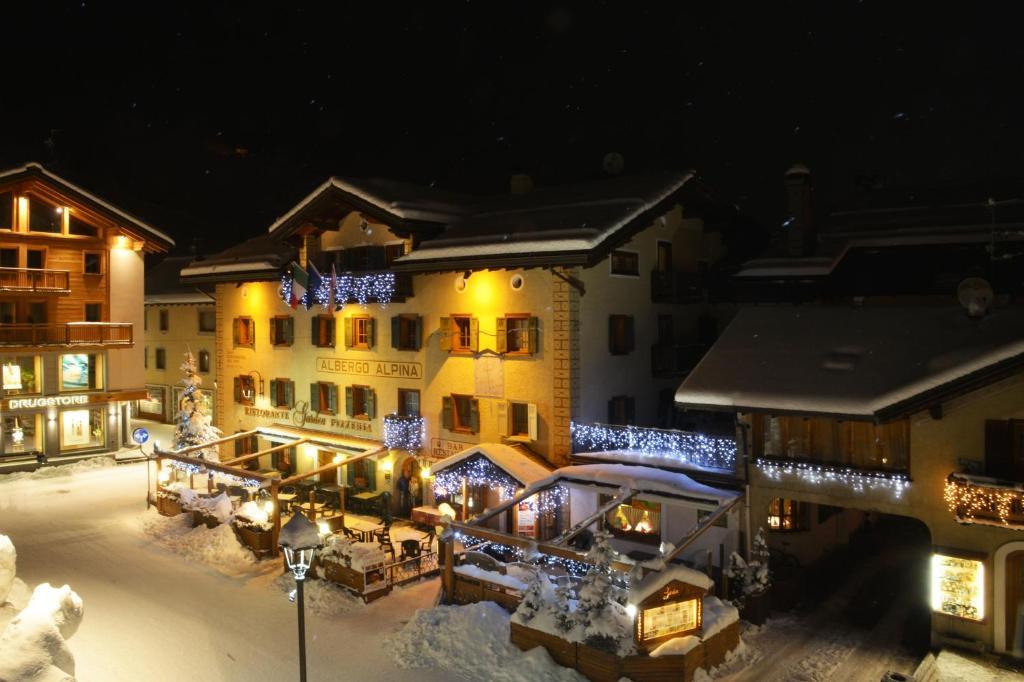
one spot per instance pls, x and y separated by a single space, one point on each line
35 280
67 334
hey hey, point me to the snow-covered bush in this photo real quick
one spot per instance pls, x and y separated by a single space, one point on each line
603 620
538 598
750 577
194 426
8 562
33 646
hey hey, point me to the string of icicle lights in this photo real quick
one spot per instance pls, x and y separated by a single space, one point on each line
190 468
573 566
856 480
685 446
379 287
403 433
479 471
967 499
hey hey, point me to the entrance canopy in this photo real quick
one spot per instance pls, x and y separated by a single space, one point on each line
491 464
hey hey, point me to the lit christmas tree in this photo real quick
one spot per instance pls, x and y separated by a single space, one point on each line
194 426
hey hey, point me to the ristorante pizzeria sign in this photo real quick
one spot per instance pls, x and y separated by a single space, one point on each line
389 369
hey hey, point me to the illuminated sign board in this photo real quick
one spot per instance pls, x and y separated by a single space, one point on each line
48 401
371 368
958 587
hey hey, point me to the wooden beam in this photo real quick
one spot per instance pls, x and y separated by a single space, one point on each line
333 465
578 528
268 451
226 439
215 466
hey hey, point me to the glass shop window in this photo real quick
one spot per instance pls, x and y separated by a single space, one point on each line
81 372
636 521
21 375
23 433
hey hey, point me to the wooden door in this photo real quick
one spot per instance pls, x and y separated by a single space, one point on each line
330 476
1014 601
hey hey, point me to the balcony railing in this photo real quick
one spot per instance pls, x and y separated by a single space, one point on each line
985 500
669 286
35 280
675 360
686 447
67 334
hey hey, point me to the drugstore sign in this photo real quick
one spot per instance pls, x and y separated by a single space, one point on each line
69 400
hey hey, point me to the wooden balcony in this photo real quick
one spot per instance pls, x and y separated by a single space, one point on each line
35 280
984 500
669 286
67 334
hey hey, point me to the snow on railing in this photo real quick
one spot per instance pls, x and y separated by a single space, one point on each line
684 446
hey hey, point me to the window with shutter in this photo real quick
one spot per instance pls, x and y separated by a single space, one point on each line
474 334
362 332
349 401
281 330
447 413
517 334
244 332
532 335
405 332
371 403
362 402
323 331
445 335
465 414
332 398
348 332
501 335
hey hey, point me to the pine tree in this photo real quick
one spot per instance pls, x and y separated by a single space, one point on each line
594 610
565 619
193 423
536 598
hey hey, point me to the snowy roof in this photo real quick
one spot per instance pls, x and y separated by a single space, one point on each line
640 479
37 169
661 460
559 224
653 582
510 460
163 283
857 362
259 258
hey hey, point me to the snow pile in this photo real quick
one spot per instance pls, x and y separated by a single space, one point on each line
718 615
736 660
8 560
472 642
322 597
33 646
677 646
472 571
219 506
217 547
79 467
359 556
252 515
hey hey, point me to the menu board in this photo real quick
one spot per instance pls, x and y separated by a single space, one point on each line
669 619
958 586
526 519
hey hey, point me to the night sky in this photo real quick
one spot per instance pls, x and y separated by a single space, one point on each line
212 120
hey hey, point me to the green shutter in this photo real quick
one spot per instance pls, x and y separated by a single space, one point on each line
238 389
348 401
446 413
474 334
396 331
273 392
532 336
348 332
419 331
350 475
315 332
273 332
371 473
235 324
289 330
289 393
502 335
332 397
445 338
370 335
371 403
314 397
474 416
330 332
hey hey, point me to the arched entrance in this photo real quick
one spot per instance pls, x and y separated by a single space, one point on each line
1007 597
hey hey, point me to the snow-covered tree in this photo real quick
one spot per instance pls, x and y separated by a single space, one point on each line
565 618
194 426
597 611
538 597
750 577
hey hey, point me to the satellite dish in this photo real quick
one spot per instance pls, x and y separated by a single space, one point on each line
975 294
613 163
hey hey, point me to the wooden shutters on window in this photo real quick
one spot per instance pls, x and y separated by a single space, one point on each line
526 344
445 337
474 334
447 416
406 332
322 332
282 331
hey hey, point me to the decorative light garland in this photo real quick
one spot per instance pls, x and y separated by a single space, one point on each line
476 471
685 446
362 289
966 499
573 566
857 480
404 433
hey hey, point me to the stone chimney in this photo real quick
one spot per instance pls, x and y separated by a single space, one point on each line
798 230
520 183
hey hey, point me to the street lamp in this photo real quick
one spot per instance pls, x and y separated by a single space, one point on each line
299 539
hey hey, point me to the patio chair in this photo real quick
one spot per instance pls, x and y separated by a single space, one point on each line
410 549
384 538
350 534
427 542
325 499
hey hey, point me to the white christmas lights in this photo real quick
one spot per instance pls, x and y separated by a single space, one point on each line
857 480
404 433
687 447
967 499
362 289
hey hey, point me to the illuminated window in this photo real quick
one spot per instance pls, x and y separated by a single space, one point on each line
958 587
81 429
360 402
517 334
21 375
323 331
460 413
23 433
359 332
44 217
785 515
323 397
636 520
81 372
406 332
670 619
244 332
625 263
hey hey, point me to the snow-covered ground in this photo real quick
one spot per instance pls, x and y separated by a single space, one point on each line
159 605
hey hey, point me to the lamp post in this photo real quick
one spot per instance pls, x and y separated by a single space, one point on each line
300 539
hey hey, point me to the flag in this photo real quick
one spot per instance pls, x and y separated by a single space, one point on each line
334 288
315 280
300 280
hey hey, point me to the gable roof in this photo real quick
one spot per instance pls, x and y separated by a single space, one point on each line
513 462
35 170
257 259
866 363
164 285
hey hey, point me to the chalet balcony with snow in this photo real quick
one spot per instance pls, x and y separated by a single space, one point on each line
843 432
